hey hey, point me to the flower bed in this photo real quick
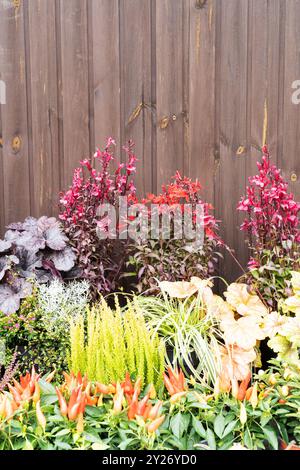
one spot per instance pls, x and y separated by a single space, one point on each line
170 364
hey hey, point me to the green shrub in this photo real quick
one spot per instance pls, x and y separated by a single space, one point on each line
110 343
25 332
39 330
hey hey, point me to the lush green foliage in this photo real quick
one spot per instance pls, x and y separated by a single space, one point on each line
25 332
190 333
110 343
285 340
194 419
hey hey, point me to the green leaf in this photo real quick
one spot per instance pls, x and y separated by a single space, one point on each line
271 437
229 428
93 411
48 399
28 446
219 425
199 428
248 439
47 388
63 445
92 436
63 432
124 444
283 431
179 424
211 439
265 418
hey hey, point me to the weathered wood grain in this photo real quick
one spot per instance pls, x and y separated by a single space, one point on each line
169 88
44 155
232 122
137 104
289 159
74 84
106 71
14 132
198 85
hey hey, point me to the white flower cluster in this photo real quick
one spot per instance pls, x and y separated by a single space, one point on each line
58 302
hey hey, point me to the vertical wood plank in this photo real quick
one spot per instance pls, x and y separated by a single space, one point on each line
43 107
74 83
263 77
2 201
169 88
14 113
136 94
200 161
231 87
106 71
289 159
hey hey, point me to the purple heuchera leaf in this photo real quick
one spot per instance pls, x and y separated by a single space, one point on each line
4 245
63 260
6 263
31 241
35 249
29 262
45 223
12 235
9 300
11 295
55 239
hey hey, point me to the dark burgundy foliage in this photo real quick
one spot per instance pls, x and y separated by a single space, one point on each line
101 260
273 229
273 213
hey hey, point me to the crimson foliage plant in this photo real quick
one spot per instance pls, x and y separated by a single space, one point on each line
175 259
101 260
273 229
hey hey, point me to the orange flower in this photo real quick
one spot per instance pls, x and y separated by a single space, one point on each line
133 406
62 402
105 389
152 427
37 393
175 381
154 412
142 405
40 416
243 387
118 399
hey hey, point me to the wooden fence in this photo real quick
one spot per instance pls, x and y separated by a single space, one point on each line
197 84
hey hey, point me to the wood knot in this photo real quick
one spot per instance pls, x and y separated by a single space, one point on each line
16 144
294 178
200 4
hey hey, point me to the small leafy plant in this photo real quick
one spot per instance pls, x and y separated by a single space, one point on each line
58 302
170 258
35 250
82 414
191 334
116 342
25 333
285 327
